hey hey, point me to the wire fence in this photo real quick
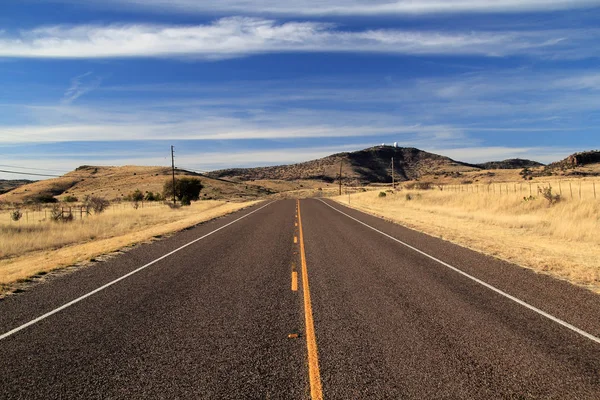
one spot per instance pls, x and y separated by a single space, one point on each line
75 212
574 190
566 189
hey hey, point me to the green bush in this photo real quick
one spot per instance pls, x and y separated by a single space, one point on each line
16 215
152 196
45 198
188 188
70 199
382 194
137 195
552 198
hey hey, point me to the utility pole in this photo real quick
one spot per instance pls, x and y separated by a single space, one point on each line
341 161
393 183
173 169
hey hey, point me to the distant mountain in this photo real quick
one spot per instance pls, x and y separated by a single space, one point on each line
513 163
6 185
372 165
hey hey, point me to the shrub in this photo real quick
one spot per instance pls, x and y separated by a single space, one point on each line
526 173
70 199
408 197
45 198
152 196
16 215
552 198
382 194
96 203
57 214
137 195
135 198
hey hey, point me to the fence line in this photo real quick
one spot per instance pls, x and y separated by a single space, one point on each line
577 190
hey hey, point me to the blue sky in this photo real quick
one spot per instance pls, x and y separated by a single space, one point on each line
248 83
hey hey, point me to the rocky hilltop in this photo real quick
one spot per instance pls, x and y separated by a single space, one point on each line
371 165
513 163
585 163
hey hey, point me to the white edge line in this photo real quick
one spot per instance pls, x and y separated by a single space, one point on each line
487 285
77 300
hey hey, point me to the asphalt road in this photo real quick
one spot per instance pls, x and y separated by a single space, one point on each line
213 319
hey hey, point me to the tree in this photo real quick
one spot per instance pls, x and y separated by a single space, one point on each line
186 190
137 195
98 204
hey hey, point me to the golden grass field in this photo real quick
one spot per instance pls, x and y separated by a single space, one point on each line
561 240
30 247
114 183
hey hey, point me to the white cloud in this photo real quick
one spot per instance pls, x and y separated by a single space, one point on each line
81 85
347 7
240 36
208 130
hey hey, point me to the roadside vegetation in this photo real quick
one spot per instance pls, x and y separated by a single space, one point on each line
37 239
546 231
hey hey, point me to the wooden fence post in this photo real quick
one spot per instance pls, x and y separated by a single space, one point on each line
571 189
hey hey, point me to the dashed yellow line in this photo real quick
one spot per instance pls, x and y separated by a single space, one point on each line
295 239
294 277
316 390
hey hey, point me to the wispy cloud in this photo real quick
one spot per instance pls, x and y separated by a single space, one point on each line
481 154
81 85
456 108
241 36
348 7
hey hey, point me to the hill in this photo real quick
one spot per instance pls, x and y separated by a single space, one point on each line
513 163
6 185
372 165
585 163
114 183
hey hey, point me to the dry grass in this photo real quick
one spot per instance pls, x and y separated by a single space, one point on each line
281 186
561 240
30 247
115 183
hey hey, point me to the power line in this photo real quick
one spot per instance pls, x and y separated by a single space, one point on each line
197 171
36 169
29 173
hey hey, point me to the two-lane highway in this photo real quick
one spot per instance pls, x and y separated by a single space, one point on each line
210 321
297 300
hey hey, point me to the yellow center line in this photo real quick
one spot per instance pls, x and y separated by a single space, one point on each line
294 278
316 391
295 239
